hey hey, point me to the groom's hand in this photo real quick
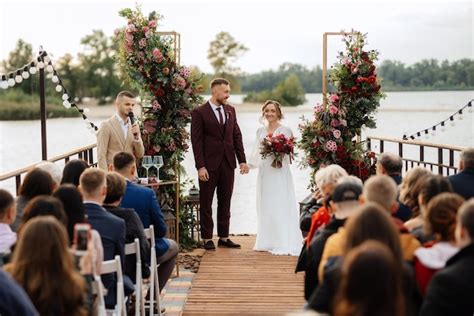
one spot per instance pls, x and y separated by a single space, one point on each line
244 168
203 174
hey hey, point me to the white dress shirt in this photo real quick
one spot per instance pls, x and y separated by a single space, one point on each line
123 124
216 112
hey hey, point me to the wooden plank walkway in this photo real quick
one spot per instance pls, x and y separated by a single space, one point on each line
245 282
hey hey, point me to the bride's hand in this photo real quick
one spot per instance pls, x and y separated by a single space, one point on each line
244 168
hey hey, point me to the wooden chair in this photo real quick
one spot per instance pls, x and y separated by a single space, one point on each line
154 284
134 249
115 266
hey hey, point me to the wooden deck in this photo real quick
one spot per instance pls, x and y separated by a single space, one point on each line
245 282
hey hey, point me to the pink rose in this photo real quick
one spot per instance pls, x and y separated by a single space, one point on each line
184 72
142 43
131 28
157 148
333 109
334 98
318 108
152 24
335 122
157 54
148 34
336 133
343 122
145 29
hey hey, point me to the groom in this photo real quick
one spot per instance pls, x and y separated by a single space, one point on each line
217 140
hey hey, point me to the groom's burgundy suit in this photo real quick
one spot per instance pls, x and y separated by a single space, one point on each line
215 147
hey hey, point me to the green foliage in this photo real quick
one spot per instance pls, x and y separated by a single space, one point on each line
288 92
223 51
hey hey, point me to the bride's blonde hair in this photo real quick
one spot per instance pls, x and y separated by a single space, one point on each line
277 106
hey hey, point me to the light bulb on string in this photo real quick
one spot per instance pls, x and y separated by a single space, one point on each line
443 127
59 88
11 81
49 68
55 79
40 64
4 82
433 131
46 59
86 110
460 117
25 74
18 77
65 97
66 104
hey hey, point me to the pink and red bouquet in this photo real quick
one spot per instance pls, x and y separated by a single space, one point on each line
277 147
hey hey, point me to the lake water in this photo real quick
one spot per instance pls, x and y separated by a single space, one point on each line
400 112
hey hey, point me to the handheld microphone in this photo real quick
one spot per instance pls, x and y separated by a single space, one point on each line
132 120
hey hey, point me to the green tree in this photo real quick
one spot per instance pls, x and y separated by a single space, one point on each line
21 55
223 51
98 63
289 92
70 75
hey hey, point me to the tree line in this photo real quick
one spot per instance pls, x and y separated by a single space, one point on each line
92 72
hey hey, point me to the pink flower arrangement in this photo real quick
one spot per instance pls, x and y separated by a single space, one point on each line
152 24
336 133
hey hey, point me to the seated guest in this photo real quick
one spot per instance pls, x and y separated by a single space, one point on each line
391 165
36 182
430 187
450 292
371 282
383 191
92 185
54 171
409 188
440 221
463 182
371 222
345 199
75 212
43 205
326 179
43 265
73 170
143 201
133 225
7 216
14 299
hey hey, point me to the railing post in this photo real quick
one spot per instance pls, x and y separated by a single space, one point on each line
369 144
381 146
440 161
44 153
400 149
451 159
422 154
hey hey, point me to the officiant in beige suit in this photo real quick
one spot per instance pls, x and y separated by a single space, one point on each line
118 133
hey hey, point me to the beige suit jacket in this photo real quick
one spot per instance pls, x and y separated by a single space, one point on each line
110 140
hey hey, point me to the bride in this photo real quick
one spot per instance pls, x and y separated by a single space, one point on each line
277 214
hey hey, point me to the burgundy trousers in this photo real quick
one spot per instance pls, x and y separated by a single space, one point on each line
221 179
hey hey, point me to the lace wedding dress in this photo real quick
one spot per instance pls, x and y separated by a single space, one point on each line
277 214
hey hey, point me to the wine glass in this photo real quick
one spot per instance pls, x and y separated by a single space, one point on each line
158 163
147 163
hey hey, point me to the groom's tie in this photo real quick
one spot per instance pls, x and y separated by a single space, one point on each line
221 118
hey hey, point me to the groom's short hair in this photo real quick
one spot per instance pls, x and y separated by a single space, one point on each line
219 81
123 159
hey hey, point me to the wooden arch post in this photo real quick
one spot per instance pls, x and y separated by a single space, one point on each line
325 60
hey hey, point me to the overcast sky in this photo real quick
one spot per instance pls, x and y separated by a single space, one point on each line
275 31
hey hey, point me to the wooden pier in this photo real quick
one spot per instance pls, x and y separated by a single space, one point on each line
245 282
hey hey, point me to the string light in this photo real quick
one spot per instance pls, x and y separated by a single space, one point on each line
40 62
442 124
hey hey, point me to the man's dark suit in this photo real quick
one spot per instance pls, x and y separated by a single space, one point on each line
133 229
463 183
215 148
112 233
143 201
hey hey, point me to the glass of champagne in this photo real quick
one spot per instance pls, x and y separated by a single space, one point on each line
147 163
158 163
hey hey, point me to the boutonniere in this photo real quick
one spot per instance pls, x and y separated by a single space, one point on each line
227 114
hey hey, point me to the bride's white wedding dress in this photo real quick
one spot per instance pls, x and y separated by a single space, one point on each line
277 214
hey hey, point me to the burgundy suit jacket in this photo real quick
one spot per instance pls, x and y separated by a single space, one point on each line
210 145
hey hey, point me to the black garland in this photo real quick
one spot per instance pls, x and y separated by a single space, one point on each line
440 124
43 61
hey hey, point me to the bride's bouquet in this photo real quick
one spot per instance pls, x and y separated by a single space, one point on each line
277 147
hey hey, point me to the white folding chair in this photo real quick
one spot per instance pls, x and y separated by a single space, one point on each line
98 290
134 249
150 234
111 266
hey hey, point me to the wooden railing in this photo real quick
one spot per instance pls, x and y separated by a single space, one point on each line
86 153
438 158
